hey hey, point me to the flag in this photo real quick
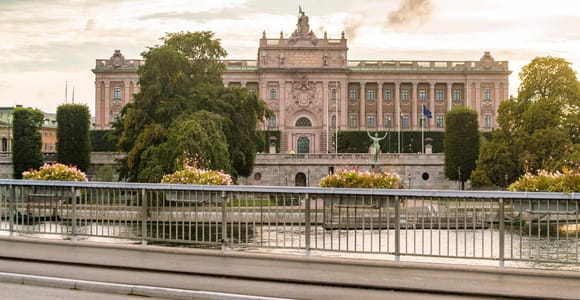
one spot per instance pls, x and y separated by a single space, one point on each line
427 112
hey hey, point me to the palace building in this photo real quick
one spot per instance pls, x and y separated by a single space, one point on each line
315 90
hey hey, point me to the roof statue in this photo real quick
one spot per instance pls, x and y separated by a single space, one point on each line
303 31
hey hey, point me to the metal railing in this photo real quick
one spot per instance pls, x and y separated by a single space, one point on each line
536 228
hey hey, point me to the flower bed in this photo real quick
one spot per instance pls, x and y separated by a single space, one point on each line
566 181
356 179
194 175
57 172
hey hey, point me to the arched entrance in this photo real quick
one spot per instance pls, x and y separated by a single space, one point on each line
300 179
303 145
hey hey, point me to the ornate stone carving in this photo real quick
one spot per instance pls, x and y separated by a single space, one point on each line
117 60
487 60
304 95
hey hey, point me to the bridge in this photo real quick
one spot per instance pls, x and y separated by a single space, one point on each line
288 242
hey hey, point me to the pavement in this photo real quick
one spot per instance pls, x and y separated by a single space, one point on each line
219 271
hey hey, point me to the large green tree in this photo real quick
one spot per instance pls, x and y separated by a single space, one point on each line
27 148
180 78
461 144
538 129
73 145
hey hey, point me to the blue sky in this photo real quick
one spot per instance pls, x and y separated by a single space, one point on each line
48 43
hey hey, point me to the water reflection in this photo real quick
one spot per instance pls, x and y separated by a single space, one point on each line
534 246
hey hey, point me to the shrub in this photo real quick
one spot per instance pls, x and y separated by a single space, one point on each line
566 181
57 172
356 179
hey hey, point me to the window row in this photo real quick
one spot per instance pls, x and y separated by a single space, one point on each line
388 95
371 122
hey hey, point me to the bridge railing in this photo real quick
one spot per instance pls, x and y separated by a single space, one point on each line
536 228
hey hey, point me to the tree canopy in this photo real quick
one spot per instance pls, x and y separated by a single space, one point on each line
27 149
537 130
183 110
461 143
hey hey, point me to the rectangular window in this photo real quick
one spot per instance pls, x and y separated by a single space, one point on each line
388 95
486 94
405 95
272 122
389 121
456 95
439 95
370 121
352 120
115 117
487 121
422 95
370 95
405 121
333 94
273 94
117 93
333 121
353 94
439 121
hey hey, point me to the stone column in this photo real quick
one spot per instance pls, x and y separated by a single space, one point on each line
362 105
449 96
414 117
397 116
98 105
107 115
379 99
343 100
467 96
326 116
478 100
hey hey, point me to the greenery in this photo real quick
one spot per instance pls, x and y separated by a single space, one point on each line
73 146
359 141
105 173
538 130
461 143
27 148
101 141
57 172
184 109
263 143
356 179
566 181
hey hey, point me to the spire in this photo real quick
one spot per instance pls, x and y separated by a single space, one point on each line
300 11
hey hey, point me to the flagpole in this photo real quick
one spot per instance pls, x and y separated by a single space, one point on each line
422 134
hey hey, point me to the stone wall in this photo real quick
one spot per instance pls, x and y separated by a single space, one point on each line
417 171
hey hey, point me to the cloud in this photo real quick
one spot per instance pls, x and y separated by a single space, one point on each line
352 25
410 11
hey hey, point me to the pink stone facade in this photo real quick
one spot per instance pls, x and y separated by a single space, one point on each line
314 90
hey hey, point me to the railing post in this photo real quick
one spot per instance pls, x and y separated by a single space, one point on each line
224 240
12 209
144 217
501 233
397 229
74 214
307 224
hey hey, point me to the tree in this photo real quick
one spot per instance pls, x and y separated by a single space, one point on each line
538 129
179 79
461 143
26 153
73 145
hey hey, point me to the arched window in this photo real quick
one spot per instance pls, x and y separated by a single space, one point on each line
303 122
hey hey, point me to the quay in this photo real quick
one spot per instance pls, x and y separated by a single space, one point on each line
257 271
